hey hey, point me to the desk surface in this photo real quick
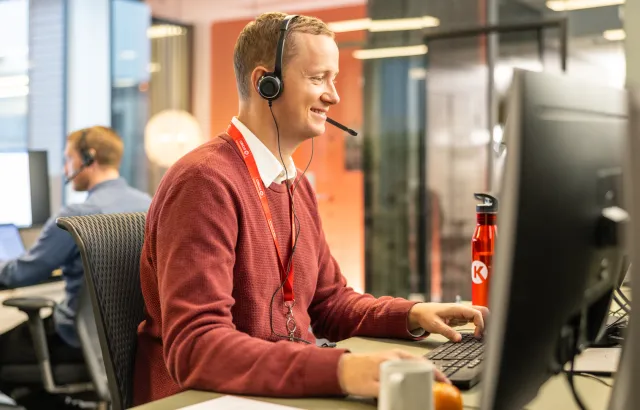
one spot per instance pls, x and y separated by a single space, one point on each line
555 394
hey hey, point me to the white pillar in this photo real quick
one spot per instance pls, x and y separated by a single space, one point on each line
88 69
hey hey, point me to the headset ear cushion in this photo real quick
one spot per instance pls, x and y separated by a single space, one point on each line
87 158
269 87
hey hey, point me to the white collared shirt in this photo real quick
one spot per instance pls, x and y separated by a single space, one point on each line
269 167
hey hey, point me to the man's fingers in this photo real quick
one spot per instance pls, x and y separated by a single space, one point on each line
471 314
446 331
484 312
440 377
375 390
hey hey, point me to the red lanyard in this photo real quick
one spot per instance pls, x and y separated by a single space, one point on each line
250 161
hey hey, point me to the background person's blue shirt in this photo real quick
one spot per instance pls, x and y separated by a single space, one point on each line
55 249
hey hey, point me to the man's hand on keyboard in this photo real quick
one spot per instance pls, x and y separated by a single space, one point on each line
442 317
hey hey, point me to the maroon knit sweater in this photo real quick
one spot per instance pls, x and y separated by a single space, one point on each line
208 271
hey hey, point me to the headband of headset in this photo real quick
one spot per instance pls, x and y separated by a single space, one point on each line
270 85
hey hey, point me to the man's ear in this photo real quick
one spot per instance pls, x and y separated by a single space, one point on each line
256 74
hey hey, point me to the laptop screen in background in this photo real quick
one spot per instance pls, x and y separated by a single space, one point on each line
11 245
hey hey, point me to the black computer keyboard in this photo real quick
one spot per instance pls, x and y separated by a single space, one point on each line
461 362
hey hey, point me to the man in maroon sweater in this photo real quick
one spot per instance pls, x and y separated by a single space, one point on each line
224 311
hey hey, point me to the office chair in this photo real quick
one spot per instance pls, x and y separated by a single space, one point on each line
59 377
110 246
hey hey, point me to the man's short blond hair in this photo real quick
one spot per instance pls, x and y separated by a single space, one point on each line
106 143
256 45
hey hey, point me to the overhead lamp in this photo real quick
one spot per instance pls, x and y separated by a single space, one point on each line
406 51
13 92
411 23
349 25
165 30
615 35
568 5
169 135
417 23
14 81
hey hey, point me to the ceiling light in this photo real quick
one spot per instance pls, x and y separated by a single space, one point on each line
14 81
12 92
390 52
413 23
615 35
417 73
417 23
566 5
350 25
169 135
165 30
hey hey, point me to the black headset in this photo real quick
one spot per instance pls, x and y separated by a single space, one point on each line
270 85
87 157
83 149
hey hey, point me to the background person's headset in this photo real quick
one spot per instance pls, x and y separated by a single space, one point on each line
85 155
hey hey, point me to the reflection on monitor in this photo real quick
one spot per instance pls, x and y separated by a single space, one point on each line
24 187
11 245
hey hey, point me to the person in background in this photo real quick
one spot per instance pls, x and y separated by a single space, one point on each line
92 159
224 312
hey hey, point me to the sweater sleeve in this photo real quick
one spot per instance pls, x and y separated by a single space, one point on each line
338 312
197 228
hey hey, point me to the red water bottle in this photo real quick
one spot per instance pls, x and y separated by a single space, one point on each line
482 247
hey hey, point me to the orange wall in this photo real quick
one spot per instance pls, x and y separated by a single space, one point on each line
340 192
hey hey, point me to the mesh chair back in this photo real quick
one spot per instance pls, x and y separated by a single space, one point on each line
110 246
90 343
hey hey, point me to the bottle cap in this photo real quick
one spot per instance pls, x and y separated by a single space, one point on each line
489 204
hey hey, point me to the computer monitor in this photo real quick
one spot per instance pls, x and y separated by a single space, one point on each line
11 245
24 188
625 394
558 253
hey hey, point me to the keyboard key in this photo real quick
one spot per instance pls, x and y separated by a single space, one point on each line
450 371
461 362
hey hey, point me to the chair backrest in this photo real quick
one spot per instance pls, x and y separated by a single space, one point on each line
90 343
110 246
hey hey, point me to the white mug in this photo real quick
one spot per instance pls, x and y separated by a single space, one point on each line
406 385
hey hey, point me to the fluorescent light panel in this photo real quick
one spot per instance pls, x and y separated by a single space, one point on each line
389 52
567 5
615 35
165 30
350 25
12 92
14 81
414 23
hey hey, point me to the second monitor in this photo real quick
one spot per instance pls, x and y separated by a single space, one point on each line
24 184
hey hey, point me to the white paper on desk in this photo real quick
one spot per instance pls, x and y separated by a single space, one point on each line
236 403
597 360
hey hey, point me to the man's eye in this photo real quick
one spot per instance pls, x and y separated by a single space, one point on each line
316 78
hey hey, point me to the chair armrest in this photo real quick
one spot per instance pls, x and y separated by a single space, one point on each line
30 305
